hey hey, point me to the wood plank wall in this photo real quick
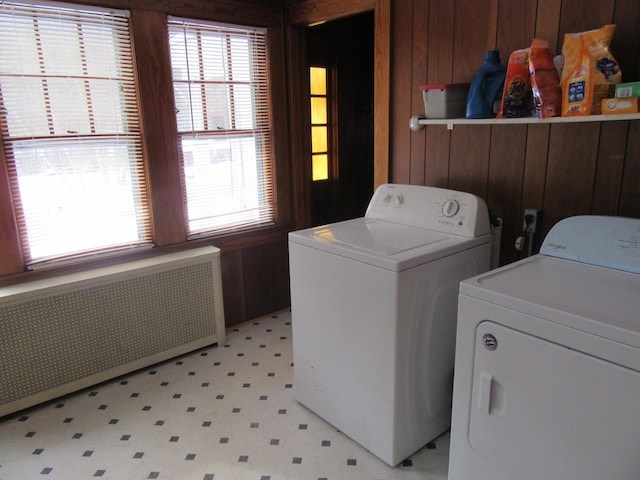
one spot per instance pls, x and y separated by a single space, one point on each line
564 170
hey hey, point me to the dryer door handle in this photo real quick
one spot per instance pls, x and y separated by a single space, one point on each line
491 395
484 392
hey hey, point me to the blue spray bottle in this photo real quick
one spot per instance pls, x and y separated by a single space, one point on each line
486 87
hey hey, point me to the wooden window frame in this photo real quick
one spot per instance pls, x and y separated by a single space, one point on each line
153 73
251 207
57 128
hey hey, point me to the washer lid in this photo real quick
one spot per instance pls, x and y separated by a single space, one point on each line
384 244
602 301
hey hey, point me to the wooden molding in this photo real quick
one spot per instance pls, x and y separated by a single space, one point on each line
313 12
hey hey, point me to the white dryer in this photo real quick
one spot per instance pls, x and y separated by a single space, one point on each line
547 382
374 304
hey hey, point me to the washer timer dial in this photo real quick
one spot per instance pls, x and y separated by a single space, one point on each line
450 208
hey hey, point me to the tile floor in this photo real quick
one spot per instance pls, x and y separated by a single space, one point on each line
217 413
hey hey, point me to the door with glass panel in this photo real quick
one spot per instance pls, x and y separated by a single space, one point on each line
341 99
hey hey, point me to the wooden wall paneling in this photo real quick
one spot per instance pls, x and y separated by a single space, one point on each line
535 168
283 194
11 260
439 70
159 124
382 96
571 170
475 31
418 77
629 205
437 139
440 41
299 140
547 23
611 152
516 26
401 107
535 172
469 159
582 15
625 45
233 287
266 278
504 191
475 28
515 30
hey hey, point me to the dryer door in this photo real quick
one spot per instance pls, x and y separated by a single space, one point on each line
542 410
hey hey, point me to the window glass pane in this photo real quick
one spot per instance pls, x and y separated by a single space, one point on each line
222 181
107 100
218 113
320 167
99 61
24 106
188 109
68 105
59 42
318 77
77 195
318 139
179 60
18 29
244 112
240 48
318 110
214 64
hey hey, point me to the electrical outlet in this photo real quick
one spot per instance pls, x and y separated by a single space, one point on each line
531 220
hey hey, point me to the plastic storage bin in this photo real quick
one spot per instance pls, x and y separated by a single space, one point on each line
445 101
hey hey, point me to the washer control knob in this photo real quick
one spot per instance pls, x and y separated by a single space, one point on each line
386 198
450 208
400 199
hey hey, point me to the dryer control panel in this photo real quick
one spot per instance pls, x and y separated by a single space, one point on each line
439 209
612 242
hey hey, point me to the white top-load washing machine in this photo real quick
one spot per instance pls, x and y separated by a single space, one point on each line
547 382
373 304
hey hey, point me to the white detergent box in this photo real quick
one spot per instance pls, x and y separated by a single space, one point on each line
445 100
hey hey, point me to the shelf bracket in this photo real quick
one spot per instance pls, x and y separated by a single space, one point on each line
414 123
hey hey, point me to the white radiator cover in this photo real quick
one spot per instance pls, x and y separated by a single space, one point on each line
63 334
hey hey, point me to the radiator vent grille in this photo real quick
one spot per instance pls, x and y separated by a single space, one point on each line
78 334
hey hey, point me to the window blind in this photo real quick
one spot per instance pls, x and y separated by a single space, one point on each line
70 129
222 106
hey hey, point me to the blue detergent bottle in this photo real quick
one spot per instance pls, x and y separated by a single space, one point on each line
486 87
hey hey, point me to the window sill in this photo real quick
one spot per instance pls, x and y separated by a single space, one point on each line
226 241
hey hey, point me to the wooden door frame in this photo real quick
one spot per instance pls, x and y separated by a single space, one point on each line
299 16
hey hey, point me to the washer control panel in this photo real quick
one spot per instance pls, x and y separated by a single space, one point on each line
439 209
450 208
391 199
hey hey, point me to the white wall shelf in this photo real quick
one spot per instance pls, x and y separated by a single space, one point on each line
418 123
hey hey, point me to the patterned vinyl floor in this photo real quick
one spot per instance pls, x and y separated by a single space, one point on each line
223 413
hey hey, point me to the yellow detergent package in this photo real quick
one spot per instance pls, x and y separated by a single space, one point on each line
590 72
